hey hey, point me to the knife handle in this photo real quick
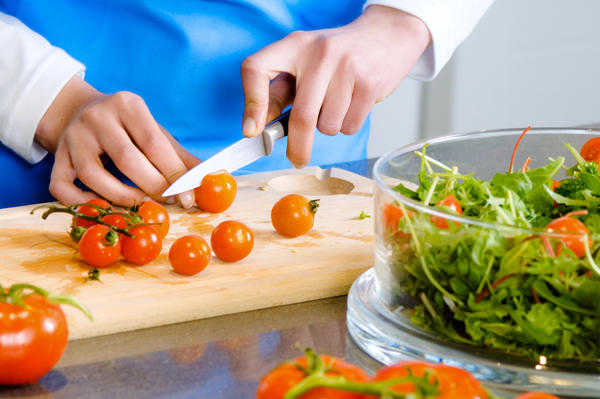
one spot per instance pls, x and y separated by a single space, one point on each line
275 130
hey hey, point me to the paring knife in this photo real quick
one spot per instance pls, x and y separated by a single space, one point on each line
236 156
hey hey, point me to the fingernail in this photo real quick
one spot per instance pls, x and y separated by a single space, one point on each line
186 199
249 127
171 200
296 166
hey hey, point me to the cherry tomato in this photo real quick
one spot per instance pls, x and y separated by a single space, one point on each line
32 340
144 248
391 217
96 249
574 241
555 185
293 215
283 378
454 383
232 241
451 202
216 193
153 212
115 219
536 395
591 150
90 211
189 255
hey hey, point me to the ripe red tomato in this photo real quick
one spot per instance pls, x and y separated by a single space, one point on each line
216 193
536 395
144 248
115 219
153 212
575 240
293 215
391 217
32 339
591 150
454 383
451 202
189 255
555 185
90 211
95 247
283 378
232 241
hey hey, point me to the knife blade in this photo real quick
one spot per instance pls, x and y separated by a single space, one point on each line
236 156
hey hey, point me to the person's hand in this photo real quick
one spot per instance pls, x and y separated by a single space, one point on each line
332 77
82 126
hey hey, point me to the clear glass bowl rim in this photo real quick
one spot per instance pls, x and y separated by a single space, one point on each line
418 145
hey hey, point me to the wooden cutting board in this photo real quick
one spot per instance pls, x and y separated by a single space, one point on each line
279 271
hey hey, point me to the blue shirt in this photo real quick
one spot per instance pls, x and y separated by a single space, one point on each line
183 58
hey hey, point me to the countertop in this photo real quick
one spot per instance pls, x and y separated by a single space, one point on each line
221 357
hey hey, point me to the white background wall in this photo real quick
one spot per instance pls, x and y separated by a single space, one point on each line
534 62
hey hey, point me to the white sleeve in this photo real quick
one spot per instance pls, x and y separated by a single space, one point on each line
449 21
32 73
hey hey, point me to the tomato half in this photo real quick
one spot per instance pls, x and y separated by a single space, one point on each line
144 248
96 249
189 255
454 383
391 217
153 212
283 378
591 150
90 211
536 395
451 202
575 240
232 241
217 192
32 339
293 215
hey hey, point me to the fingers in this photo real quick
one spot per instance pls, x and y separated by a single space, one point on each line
363 100
281 94
335 106
62 178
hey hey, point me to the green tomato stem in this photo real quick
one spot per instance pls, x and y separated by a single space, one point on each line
15 295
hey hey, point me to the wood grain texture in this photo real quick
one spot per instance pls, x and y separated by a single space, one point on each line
321 264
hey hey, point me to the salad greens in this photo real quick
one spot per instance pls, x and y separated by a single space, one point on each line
505 287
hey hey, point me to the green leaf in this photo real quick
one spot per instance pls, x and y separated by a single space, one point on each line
592 182
407 192
562 301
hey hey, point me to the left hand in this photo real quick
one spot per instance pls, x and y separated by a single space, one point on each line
333 77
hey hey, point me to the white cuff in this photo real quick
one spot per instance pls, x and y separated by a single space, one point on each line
449 21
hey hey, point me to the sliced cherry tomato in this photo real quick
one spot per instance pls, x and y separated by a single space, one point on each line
536 395
189 255
454 383
90 211
217 192
283 378
144 248
555 185
232 241
153 212
294 215
451 202
391 217
575 240
98 247
591 150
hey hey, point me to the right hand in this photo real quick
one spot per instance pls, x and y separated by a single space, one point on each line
82 124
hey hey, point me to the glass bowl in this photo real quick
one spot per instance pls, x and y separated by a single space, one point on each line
390 315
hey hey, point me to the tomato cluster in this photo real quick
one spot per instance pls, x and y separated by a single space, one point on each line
316 376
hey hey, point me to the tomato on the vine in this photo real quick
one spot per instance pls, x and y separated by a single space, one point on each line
153 212
453 383
217 192
32 338
189 255
232 241
279 381
115 219
452 203
294 215
99 247
575 240
90 211
144 248
591 150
